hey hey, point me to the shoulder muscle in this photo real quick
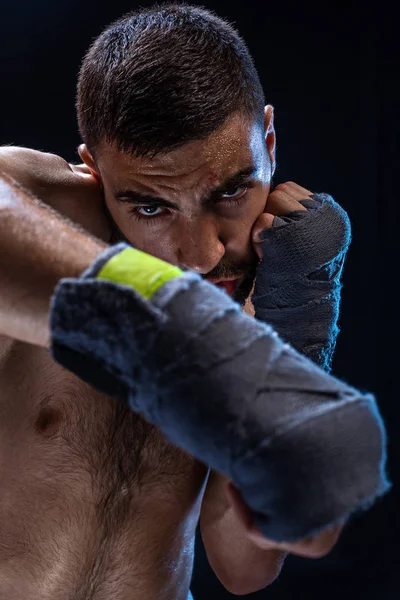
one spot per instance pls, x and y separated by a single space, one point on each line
70 190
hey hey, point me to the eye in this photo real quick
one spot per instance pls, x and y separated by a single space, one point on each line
241 189
149 211
237 197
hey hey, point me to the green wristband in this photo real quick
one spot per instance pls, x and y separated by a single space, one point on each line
143 272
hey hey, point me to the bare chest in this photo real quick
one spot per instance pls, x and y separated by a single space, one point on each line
58 435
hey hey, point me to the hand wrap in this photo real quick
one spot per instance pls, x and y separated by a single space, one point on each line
297 288
304 448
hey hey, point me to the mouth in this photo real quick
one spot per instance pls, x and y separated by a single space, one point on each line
229 286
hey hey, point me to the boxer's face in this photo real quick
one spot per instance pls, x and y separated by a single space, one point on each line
195 206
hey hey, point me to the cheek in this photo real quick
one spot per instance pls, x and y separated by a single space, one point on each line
160 246
253 208
147 238
262 196
238 233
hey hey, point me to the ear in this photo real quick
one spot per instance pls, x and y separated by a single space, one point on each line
269 132
88 159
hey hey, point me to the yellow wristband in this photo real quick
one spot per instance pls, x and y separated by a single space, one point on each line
143 272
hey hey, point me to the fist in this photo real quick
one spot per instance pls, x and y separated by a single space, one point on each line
283 200
301 240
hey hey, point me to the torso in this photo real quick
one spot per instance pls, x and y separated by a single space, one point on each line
94 502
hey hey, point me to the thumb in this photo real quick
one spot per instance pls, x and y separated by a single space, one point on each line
264 221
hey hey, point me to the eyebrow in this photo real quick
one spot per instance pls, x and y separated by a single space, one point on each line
135 197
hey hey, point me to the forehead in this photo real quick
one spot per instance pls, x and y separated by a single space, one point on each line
237 143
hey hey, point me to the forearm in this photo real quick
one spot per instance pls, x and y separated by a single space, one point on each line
303 448
311 328
297 289
38 247
242 566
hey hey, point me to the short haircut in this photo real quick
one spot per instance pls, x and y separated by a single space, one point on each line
163 76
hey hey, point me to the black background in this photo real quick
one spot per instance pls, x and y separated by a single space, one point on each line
331 72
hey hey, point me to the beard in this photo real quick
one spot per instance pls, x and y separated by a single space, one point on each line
245 287
245 271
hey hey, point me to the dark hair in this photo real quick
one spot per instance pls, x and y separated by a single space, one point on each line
163 76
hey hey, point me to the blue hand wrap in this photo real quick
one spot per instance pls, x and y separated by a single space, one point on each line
297 288
304 448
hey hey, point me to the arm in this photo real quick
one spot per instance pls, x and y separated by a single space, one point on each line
298 284
242 558
242 378
38 247
241 565
304 448
237 552
70 189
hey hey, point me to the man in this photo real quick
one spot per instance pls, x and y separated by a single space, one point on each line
178 160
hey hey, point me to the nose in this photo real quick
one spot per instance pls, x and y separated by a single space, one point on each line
199 246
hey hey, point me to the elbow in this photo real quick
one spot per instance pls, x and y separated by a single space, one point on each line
249 584
257 576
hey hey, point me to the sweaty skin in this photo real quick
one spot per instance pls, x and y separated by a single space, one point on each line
116 507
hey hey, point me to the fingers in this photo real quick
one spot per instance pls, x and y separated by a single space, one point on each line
264 221
315 547
285 199
318 546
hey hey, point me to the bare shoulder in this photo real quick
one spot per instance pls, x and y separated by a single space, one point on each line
69 189
5 345
34 169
